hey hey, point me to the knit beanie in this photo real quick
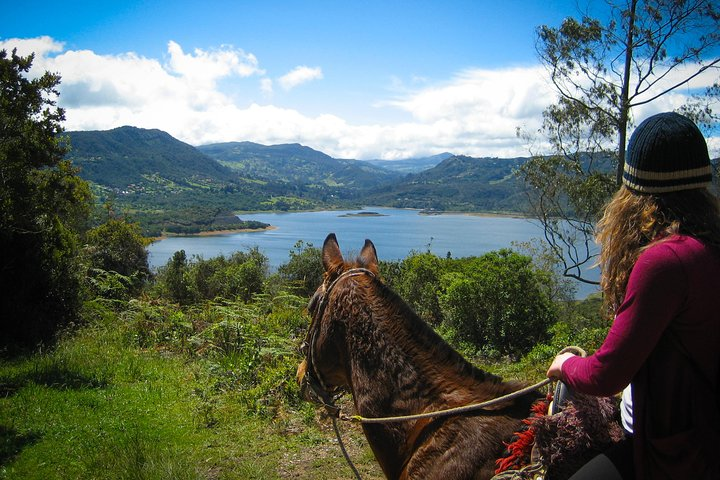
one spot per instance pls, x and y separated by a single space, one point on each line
667 153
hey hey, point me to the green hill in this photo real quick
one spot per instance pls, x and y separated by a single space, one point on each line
165 184
299 165
128 157
170 186
459 183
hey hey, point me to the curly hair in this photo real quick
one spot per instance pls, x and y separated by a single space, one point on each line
633 221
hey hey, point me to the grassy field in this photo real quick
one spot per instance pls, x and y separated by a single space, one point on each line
147 389
97 406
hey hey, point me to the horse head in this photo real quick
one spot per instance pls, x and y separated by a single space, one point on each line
323 372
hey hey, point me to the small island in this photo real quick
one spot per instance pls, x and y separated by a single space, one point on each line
363 214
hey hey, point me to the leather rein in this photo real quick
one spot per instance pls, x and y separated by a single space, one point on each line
321 394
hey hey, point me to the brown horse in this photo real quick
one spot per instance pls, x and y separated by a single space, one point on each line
364 338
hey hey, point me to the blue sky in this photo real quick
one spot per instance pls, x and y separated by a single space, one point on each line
371 79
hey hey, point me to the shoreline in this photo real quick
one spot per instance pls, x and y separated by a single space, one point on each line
360 213
475 214
212 233
421 211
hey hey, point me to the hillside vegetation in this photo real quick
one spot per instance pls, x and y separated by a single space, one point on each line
459 183
194 377
171 187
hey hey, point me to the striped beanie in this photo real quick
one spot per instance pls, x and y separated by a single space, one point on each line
667 153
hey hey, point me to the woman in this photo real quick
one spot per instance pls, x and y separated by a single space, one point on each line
660 263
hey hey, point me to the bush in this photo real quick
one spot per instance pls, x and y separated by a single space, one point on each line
117 246
239 276
418 283
496 302
304 270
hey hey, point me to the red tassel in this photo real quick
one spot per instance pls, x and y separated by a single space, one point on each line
520 448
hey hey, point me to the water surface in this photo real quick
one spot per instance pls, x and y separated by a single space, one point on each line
395 233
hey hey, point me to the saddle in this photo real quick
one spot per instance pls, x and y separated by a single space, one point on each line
562 433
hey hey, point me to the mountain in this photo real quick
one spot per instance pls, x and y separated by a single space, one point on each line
411 165
165 184
459 183
170 186
127 157
297 164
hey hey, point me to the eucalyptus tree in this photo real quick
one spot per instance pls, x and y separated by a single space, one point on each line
602 71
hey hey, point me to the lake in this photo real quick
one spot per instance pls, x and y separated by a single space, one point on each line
395 233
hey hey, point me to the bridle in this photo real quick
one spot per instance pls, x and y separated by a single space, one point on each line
319 392
317 388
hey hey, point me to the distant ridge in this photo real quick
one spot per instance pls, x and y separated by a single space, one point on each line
411 165
129 155
460 183
296 164
170 185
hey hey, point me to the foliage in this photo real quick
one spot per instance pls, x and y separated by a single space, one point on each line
117 246
43 207
497 302
604 71
418 282
559 288
187 281
304 270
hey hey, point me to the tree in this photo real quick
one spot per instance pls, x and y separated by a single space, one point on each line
603 72
419 284
240 276
175 278
498 302
44 206
304 269
118 246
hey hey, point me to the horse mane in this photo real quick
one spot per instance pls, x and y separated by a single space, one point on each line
429 339
438 354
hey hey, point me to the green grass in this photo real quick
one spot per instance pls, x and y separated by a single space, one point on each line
150 390
99 407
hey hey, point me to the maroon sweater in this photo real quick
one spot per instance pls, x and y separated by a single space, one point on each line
665 340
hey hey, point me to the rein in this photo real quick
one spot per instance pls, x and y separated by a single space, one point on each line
322 395
450 411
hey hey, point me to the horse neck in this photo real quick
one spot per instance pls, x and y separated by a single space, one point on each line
398 365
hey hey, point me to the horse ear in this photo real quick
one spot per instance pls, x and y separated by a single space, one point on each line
331 255
368 257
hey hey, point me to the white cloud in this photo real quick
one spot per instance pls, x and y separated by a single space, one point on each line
25 46
476 112
266 86
300 75
205 68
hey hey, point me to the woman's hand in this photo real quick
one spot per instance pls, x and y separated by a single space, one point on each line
555 370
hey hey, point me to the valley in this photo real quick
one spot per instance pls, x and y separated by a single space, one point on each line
171 187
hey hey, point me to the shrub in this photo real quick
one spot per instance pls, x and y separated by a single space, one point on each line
418 283
118 246
497 303
304 270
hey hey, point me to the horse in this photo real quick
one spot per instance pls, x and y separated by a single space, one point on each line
365 339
